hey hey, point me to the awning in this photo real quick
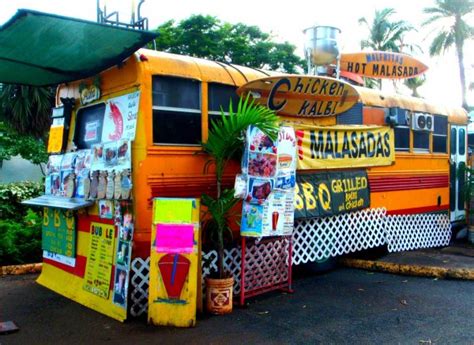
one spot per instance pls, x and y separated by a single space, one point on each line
44 49
58 202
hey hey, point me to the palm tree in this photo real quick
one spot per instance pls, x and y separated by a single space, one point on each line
414 83
226 138
449 21
384 34
27 109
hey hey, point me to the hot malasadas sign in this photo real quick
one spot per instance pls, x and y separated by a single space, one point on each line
382 65
308 96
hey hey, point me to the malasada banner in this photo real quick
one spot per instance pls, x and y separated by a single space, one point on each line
327 194
344 147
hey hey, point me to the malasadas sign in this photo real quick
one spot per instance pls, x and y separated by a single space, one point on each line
308 96
382 65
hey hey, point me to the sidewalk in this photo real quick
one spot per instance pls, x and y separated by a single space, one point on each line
453 262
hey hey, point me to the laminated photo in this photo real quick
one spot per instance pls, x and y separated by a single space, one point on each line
286 181
259 189
121 286
54 164
123 154
110 154
240 186
251 224
123 253
260 142
67 163
97 157
106 208
262 164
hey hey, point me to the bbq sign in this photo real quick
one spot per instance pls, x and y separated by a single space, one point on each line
302 96
382 65
327 194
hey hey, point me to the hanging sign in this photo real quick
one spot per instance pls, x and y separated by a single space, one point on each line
100 259
344 146
56 133
327 194
379 64
59 232
89 94
302 96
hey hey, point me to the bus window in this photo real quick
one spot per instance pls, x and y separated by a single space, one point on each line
176 111
454 139
421 141
353 116
220 96
440 134
462 141
89 123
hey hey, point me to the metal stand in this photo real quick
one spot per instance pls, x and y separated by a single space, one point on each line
266 266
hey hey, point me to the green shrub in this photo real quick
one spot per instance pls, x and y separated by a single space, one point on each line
20 227
11 196
20 242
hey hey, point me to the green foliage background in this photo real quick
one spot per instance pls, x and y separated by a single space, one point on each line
20 227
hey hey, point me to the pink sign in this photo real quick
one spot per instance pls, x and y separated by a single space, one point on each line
174 238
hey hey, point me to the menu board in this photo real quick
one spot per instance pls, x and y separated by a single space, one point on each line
100 259
267 183
59 232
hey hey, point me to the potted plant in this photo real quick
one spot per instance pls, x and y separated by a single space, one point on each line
225 142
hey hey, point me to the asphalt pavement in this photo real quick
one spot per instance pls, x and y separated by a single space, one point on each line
344 306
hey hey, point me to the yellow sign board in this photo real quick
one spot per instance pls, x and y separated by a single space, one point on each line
55 142
101 256
379 64
302 96
175 286
344 147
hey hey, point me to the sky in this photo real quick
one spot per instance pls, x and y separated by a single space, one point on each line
286 20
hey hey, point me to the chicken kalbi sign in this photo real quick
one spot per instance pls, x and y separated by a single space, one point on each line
327 194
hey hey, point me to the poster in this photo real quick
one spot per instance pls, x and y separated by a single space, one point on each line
327 194
174 238
120 120
59 232
345 147
100 259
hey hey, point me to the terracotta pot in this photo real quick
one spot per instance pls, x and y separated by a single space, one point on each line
219 295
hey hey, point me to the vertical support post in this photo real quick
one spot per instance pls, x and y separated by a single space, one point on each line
290 263
242 272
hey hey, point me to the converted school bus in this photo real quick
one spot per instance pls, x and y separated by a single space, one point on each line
180 96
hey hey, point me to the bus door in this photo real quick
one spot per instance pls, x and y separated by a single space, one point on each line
457 149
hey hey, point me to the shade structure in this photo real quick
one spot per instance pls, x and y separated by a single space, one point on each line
43 49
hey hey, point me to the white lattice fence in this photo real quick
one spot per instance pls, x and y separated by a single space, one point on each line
319 238
139 292
407 232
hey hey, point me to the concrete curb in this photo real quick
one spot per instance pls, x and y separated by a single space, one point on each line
20 269
411 270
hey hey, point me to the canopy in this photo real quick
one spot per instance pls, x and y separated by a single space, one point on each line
43 49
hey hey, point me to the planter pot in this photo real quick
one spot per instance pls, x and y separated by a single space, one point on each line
219 295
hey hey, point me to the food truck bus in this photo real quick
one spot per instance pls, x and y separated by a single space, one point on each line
134 135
